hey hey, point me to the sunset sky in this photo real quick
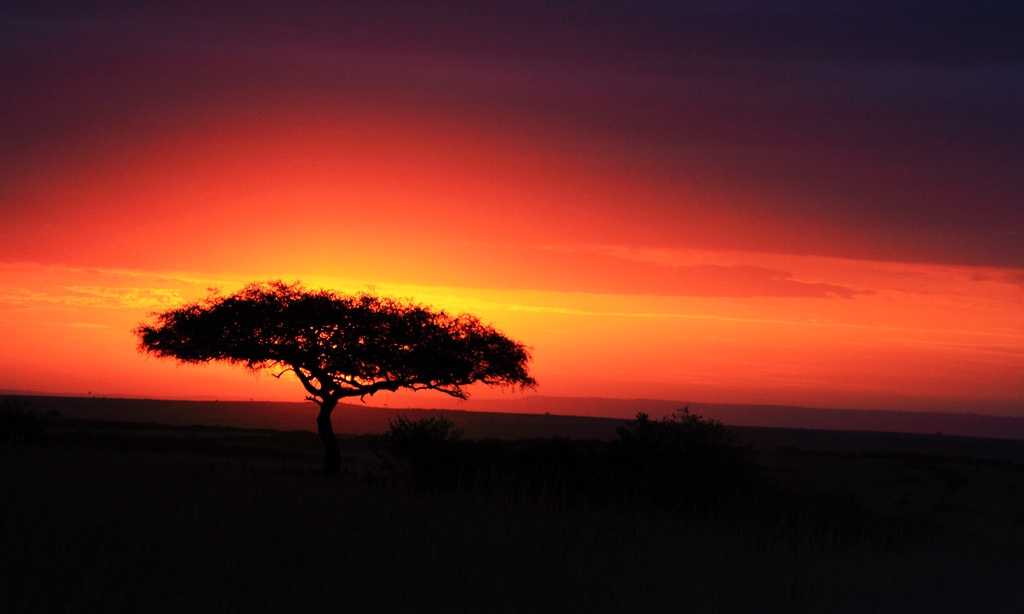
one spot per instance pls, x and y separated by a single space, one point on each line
798 203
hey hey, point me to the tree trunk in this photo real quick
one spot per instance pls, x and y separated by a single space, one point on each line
332 454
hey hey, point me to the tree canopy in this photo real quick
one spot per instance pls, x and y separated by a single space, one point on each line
339 345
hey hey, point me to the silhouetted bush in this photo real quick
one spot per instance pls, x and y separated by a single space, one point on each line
682 459
19 424
423 450
430 453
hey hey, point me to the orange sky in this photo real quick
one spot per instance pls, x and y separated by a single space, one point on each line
646 241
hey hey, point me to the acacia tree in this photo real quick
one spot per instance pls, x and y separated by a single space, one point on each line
338 345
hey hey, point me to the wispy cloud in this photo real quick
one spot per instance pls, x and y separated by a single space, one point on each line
97 296
1013 277
23 285
615 270
546 303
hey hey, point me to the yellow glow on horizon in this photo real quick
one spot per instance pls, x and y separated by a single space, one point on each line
528 236
69 329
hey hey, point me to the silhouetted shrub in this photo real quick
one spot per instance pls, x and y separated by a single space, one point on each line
430 453
424 449
19 424
680 459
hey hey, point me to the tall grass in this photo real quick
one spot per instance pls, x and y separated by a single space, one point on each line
87 530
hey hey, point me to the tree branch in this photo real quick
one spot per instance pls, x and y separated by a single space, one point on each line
457 392
307 383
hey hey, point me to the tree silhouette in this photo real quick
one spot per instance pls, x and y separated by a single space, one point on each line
338 345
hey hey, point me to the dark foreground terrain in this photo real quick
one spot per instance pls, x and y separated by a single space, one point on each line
115 517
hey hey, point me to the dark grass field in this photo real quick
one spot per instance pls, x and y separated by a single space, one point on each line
120 517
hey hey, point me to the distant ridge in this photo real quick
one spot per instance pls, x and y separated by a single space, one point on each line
356 417
967 424
349 419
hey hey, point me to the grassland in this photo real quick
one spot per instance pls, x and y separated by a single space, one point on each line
119 517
